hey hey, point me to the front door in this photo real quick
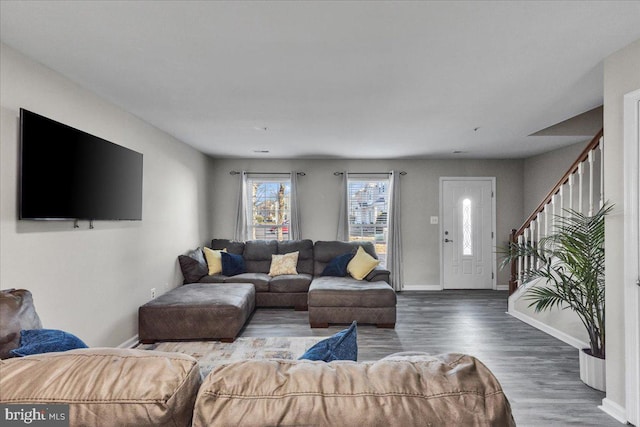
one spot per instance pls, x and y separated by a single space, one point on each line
467 233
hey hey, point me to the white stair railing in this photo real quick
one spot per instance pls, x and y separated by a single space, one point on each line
588 171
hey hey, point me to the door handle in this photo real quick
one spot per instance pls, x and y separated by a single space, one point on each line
448 241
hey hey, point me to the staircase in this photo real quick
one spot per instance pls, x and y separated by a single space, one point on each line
580 189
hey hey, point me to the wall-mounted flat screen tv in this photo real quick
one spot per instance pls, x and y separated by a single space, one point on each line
66 173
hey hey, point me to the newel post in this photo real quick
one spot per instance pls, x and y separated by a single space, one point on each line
513 281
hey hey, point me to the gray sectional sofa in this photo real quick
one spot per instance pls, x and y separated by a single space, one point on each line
290 290
217 306
278 291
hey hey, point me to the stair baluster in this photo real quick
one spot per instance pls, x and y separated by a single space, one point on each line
554 204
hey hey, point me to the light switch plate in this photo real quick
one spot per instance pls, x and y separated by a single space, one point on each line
434 220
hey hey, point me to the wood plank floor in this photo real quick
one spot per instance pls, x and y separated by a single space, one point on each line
538 373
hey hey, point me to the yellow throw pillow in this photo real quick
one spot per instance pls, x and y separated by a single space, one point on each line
361 264
214 260
284 264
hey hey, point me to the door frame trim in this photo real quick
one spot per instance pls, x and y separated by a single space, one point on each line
494 255
631 253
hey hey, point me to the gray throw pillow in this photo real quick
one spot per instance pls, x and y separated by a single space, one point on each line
17 312
193 266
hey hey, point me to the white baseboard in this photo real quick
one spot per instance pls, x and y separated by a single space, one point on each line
439 288
422 288
548 329
614 410
130 343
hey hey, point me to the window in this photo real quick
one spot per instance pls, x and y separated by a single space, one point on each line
368 213
269 208
466 227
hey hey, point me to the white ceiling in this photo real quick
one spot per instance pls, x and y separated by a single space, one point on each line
336 79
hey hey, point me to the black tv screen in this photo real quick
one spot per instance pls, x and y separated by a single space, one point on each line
69 174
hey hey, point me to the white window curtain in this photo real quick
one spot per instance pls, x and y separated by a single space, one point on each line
343 213
242 211
394 244
294 223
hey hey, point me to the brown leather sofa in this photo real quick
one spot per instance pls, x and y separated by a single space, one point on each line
125 387
118 387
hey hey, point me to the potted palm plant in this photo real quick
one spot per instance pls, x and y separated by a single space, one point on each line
570 265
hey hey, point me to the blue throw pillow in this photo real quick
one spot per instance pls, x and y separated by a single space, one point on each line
36 341
338 266
232 264
341 346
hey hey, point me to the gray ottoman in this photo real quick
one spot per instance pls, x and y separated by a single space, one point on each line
343 300
197 311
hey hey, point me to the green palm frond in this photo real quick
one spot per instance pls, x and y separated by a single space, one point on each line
571 263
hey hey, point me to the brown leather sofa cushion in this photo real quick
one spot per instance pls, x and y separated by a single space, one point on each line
445 390
17 312
107 387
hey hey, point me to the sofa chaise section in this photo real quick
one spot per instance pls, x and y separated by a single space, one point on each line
341 300
198 311
325 251
345 299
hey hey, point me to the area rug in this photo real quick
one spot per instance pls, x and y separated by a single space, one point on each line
213 353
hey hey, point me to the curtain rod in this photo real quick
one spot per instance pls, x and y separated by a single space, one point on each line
367 173
267 173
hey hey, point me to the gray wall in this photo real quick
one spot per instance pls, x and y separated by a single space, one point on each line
621 76
319 199
91 282
543 171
